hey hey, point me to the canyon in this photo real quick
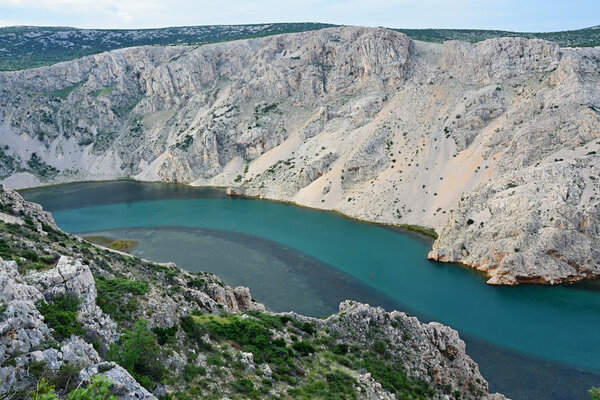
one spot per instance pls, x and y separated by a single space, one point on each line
493 146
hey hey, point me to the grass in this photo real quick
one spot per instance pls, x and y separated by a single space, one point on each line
64 92
420 229
104 92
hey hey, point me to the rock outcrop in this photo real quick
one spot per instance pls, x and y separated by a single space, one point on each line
433 352
363 121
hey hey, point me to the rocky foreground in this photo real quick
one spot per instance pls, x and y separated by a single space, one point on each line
77 317
495 146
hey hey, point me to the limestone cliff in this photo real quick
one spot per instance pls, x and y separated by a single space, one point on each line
494 145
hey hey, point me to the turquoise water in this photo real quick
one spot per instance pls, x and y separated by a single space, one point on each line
554 323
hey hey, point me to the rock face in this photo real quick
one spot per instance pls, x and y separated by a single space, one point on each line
70 276
24 333
362 121
432 352
124 387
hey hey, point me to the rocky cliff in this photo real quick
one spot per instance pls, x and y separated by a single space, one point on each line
74 316
493 145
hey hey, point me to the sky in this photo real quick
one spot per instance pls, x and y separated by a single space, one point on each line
513 15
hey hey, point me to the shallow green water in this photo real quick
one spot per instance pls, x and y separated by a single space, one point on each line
315 253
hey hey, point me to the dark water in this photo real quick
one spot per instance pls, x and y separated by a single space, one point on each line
530 341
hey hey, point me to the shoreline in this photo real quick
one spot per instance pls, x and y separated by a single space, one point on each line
418 230
425 234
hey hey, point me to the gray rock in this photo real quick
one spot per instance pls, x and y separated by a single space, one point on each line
124 386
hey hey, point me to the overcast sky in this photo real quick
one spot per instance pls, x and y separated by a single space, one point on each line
515 15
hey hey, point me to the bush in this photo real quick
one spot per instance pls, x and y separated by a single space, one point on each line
337 386
243 385
191 371
61 315
252 335
392 377
30 255
116 297
594 393
304 348
340 349
98 389
165 335
139 353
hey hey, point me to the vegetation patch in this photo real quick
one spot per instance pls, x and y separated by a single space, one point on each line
337 385
61 315
139 353
420 229
65 92
184 144
120 245
118 296
104 92
40 168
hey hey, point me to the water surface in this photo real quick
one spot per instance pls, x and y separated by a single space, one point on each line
530 341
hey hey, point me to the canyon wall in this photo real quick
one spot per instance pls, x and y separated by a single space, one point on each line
495 145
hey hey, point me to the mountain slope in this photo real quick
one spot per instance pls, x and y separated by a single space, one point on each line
493 145
587 37
24 47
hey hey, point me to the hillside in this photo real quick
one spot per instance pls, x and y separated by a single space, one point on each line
495 146
78 319
23 47
576 38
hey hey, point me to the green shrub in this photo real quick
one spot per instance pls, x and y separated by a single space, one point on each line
44 391
594 393
340 349
337 386
243 385
380 347
392 377
116 297
308 328
252 335
139 353
304 348
191 371
165 335
61 315
30 255
99 389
